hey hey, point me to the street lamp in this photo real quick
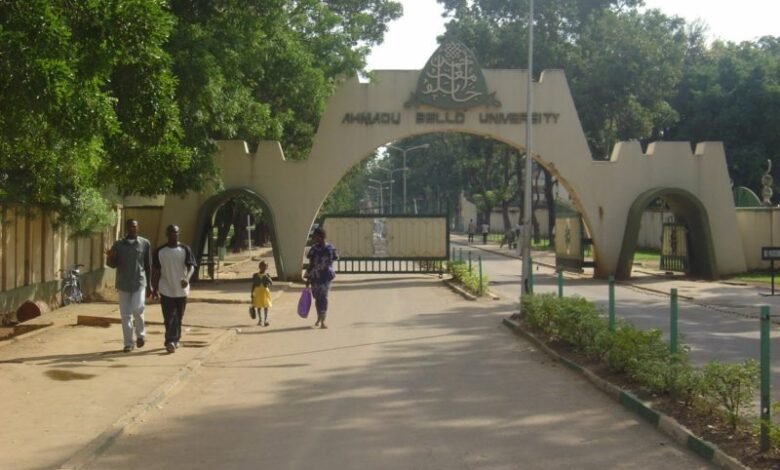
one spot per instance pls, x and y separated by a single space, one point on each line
404 167
379 190
380 186
391 180
527 288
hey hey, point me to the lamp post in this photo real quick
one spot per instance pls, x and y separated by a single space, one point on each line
527 268
391 181
380 186
379 190
404 167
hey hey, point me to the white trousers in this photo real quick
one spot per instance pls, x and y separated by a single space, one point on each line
131 308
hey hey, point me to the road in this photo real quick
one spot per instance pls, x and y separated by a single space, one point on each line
409 376
721 328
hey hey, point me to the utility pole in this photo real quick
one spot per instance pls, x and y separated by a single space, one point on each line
404 167
529 122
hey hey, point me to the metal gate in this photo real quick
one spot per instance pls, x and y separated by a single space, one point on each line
392 244
674 246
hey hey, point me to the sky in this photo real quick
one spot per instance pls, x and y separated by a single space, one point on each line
411 40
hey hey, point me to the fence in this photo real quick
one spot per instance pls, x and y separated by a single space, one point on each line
32 251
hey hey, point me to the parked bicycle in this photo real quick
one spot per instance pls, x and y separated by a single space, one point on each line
71 287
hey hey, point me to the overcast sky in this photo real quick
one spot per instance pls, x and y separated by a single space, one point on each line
412 39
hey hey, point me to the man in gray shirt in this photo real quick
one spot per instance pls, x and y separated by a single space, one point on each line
131 256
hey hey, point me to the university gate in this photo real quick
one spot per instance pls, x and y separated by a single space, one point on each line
389 243
453 94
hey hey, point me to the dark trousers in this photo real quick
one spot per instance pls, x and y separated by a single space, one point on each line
484 238
173 313
471 237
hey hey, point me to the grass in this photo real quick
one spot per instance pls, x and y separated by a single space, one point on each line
647 255
756 276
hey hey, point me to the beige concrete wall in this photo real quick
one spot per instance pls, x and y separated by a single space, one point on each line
150 222
650 230
758 227
32 251
469 212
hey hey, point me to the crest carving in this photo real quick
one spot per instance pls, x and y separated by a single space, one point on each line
452 79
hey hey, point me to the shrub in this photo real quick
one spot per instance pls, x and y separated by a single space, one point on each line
632 349
468 278
644 356
730 387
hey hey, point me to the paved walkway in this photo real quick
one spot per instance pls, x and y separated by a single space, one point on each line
409 376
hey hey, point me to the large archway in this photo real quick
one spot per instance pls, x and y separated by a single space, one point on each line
361 117
684 205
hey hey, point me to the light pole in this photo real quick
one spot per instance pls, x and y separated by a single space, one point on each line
380 187
404 167
391 181
527 288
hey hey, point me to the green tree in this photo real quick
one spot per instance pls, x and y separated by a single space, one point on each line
132 94
262 69
730 93
622 65
87 101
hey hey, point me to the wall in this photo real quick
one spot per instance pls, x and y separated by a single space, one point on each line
32 251
759 227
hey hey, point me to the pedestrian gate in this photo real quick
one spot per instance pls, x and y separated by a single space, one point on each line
391 244
674 246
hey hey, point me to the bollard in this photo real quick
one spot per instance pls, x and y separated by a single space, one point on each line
673 324
765 378
460 254
560 283
469 261
452 254
479 289
611 303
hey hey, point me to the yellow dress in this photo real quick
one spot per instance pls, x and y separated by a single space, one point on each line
261 296
261 293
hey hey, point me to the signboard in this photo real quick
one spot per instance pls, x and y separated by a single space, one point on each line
770 253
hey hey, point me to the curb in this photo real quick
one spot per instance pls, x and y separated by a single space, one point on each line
107 438
459 290
667 425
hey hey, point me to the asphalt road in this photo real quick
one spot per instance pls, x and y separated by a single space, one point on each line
409 376
723 328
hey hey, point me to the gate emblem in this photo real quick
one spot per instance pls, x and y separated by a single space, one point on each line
452 79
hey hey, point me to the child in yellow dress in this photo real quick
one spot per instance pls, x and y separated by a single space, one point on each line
261 293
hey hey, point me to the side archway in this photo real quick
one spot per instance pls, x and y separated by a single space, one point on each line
685 205
209 208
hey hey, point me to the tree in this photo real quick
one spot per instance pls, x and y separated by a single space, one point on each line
730 93
132 94
262 69
622 65
87 100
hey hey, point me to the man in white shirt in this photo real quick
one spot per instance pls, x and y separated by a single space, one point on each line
173 265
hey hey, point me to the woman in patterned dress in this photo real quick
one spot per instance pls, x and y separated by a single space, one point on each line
320 273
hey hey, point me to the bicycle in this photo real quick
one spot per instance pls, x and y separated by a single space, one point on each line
71 288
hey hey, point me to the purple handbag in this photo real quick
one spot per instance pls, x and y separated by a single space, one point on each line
304 303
